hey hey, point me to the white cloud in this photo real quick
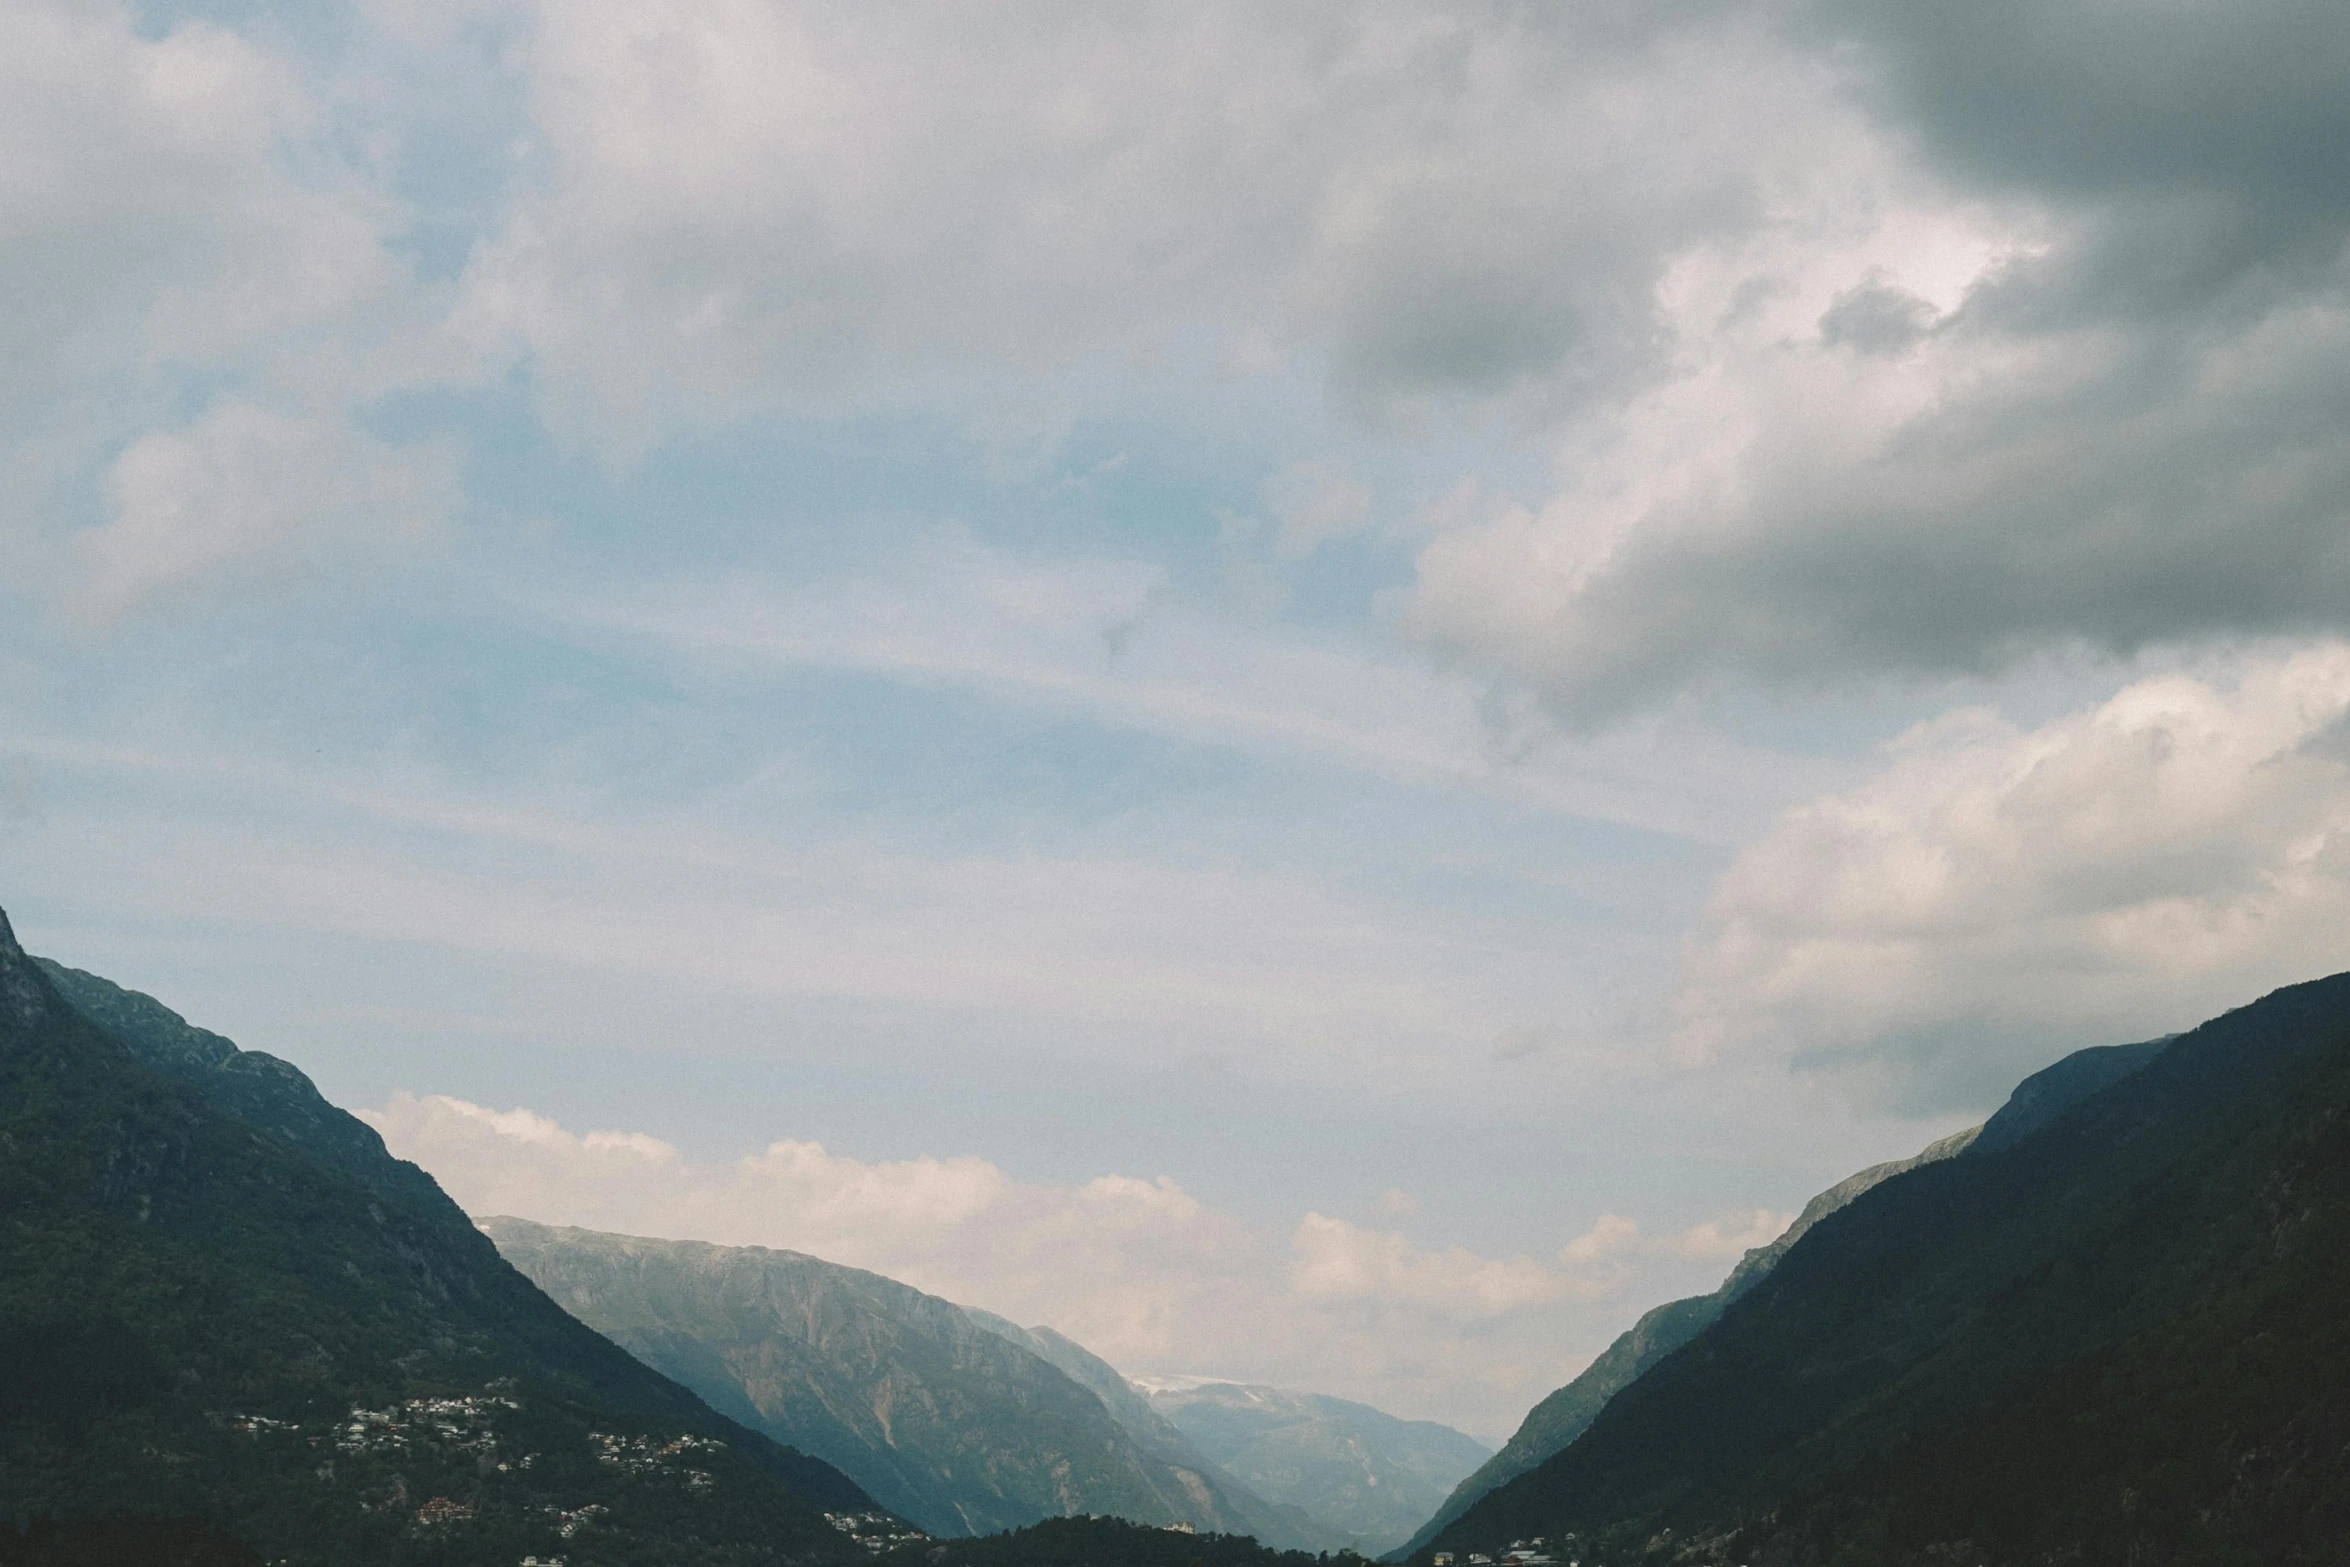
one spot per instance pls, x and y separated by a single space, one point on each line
1341 1261
1138 1270
1996 895
199 260
246 483
1733 1235
148 211
746 206
1617 1239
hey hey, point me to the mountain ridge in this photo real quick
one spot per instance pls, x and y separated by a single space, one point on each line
1357 1467
259 1321
2115 1338
950 1422
1280 1525
1565 1414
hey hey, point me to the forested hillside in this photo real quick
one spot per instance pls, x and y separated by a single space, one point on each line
224 1309
2114 1336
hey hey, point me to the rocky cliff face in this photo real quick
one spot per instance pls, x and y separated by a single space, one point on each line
951 1424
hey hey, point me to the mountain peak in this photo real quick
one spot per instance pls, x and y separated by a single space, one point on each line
25 998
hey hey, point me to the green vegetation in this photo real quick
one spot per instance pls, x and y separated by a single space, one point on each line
1108 1542
146 1542
222 1304
2118 1338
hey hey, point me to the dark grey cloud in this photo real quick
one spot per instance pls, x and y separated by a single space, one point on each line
1877 317
2129 428
2207 144
2094 101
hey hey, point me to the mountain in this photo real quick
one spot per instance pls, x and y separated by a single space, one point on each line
1567 1413
1350 1465
229 1319
2114 1334
1275 1524
950 1423
2048 1093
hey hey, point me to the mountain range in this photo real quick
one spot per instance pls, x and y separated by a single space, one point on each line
1284 1523
1359 1468
2108 1331
957 1421
2104 1327
222 1302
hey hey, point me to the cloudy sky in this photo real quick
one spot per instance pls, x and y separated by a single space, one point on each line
1329 693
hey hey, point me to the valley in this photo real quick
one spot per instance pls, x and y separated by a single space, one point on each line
2100 1323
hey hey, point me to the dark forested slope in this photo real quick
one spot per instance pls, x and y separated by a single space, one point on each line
222 1302
1567 1413
2117 1336
1109 1542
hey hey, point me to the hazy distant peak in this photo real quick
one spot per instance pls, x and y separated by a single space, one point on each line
1373 1474
1163 1383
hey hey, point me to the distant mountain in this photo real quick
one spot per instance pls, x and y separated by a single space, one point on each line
2114 1333
1347 1464
950 1423
227 1314
1275 1524
1567 1413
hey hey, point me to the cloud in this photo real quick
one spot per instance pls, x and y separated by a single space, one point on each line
1341 1261
244 483
745 207
1616 1239
1139 1270
1866 336
1733 1235
2048 352
200 262
2129 109
150 214
1996 895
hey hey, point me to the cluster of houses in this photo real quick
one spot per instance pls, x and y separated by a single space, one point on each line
1522 1553
877 1532
568 1524
649 1455
456 1422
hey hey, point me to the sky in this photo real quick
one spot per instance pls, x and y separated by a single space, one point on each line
1327 693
